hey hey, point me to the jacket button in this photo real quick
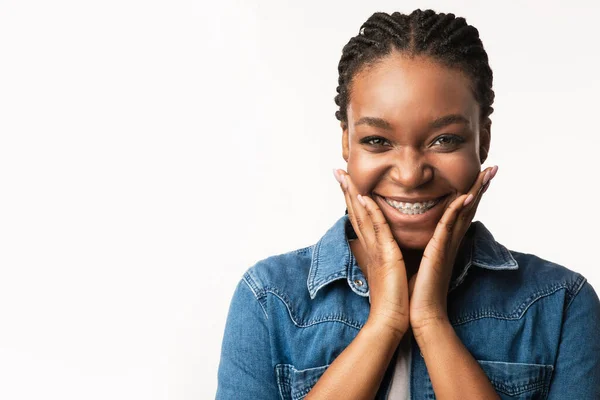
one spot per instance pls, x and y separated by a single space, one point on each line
358 282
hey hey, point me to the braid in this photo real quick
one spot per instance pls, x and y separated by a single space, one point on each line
444 37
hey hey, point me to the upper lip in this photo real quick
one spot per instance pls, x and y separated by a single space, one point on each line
411 200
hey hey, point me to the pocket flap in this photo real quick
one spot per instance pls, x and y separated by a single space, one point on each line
295 384
516 378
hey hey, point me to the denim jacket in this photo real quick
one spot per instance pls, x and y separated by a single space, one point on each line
532 325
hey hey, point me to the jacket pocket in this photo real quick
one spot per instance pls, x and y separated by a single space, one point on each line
295 384
518 381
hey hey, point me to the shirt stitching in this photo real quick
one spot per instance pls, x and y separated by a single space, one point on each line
296 321
518 313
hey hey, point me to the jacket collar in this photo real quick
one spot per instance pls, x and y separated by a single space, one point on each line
332 258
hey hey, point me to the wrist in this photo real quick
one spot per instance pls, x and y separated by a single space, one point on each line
426 333
384 329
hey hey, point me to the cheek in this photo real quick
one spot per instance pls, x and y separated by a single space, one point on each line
461 172
364 172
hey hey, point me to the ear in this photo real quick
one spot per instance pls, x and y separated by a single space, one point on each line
345 141
485 138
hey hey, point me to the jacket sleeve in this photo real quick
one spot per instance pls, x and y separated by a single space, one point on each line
245 369
577 371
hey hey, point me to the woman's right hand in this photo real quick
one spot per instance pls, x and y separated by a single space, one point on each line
385 269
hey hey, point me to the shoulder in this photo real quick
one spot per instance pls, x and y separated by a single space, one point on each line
281 273
545 277
511 292
517 275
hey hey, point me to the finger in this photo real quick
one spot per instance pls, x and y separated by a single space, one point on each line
356 213
445 227
487 179
480 183
476 192
382 232
452 226
439 250
375 232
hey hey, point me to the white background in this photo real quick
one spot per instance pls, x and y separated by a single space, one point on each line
152 151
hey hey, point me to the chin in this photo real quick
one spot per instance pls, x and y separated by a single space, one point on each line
413 240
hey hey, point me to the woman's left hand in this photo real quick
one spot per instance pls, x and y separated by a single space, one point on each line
428 288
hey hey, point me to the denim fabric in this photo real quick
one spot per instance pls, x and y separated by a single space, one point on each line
533 326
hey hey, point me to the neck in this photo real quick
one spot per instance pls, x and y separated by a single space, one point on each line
412 259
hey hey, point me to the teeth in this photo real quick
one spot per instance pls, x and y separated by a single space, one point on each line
412 208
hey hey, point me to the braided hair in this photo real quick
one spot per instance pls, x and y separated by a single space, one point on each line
443 37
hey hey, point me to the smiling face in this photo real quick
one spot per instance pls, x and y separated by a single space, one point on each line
414 134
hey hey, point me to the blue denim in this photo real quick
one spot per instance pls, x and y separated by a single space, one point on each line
533 326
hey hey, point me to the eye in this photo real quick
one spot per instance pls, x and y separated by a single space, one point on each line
374 141
448 141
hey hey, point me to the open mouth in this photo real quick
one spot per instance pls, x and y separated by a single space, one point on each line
414 208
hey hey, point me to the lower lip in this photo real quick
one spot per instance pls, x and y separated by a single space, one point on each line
397 216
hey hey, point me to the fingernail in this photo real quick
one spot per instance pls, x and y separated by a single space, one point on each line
493 172
485 188
337 177
486 178
361 200
468 200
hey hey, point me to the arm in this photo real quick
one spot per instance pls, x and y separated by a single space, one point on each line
245 369
369 353
577 370
358 371
449 363
454 373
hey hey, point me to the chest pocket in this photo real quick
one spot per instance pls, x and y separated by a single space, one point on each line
518 381
295 384
512 381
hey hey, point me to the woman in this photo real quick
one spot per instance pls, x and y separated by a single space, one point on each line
404 297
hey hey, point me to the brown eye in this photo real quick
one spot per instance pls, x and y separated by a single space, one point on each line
447 141
374 141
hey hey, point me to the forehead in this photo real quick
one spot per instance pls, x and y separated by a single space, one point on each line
404 90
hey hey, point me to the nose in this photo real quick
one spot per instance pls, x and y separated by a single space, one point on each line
410 169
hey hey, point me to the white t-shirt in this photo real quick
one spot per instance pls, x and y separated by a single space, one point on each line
400 389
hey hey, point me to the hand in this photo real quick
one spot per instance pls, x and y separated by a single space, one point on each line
429 286
385 267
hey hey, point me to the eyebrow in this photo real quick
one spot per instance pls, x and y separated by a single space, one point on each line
374 122
436 124
449 120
